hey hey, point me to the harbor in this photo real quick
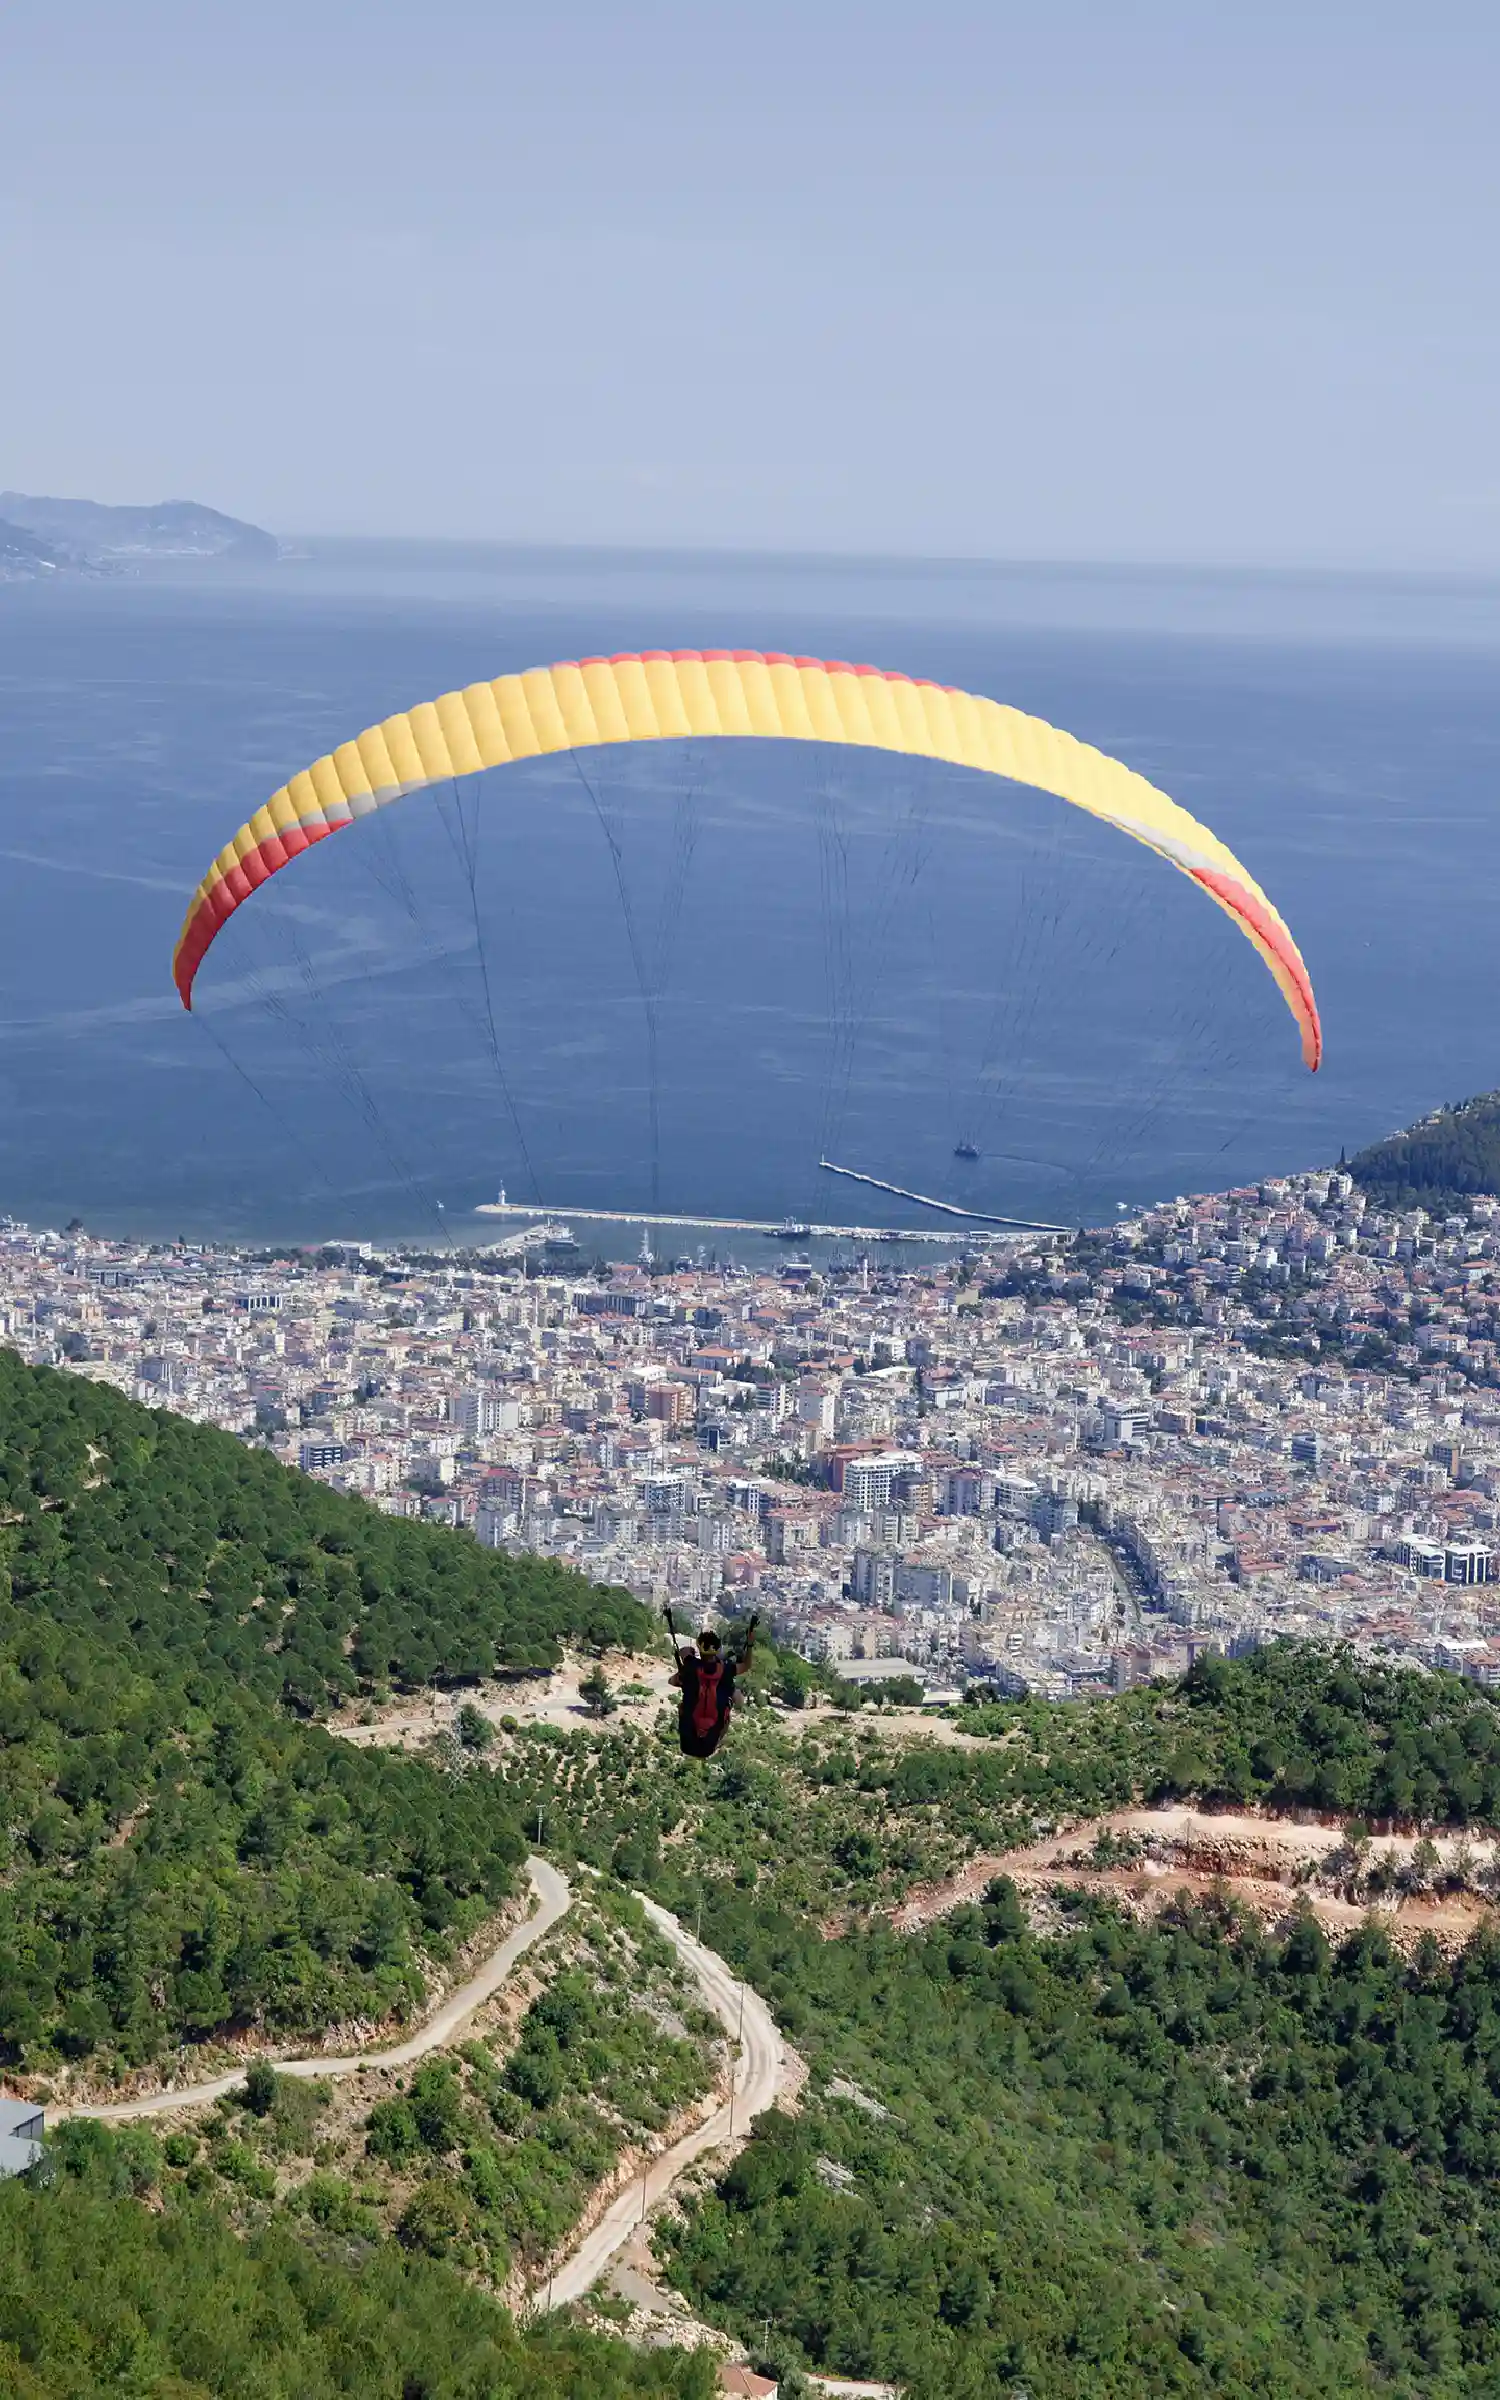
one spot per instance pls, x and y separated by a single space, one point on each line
783 1230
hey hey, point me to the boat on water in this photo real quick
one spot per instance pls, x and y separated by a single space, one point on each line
964 1149
561 1243
791 1229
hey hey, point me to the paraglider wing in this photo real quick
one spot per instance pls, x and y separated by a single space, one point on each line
663 695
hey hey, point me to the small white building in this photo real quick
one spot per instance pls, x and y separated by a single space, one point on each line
22 2125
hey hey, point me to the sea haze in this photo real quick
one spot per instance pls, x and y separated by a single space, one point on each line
820 949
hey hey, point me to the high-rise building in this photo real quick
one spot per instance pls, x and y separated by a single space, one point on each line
867 1483
817 1406
478 1411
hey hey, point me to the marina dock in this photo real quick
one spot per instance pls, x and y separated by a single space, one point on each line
972 1225
687 1223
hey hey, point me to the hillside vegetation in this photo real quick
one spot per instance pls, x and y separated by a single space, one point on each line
1117 2160
183 1849
175 2304
1090 2157
1447 1156
485 2154
836 1815
1124 2160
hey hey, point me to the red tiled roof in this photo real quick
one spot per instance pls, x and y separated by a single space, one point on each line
745 2379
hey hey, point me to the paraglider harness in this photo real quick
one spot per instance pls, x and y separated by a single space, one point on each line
707 1692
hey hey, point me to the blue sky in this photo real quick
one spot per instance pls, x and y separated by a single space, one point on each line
1204 280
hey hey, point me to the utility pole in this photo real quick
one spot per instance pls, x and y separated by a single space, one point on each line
735 2062
539 1824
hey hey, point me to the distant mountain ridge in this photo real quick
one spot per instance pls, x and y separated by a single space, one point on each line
41 535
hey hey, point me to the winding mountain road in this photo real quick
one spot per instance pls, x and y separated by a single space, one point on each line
554 1898
759 2072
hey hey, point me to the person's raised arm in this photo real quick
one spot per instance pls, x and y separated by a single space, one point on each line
676 1676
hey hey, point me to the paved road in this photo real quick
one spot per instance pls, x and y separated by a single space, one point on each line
840 2388
554 1899
758 2075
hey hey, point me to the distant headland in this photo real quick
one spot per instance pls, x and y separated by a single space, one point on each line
1446 1156
42 537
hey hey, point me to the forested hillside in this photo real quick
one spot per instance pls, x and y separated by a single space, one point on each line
182 1847
1093 2157
1121 2160
355 2221
841 1816
173 2303
1448 1155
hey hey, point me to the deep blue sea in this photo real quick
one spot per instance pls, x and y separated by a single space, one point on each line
677 978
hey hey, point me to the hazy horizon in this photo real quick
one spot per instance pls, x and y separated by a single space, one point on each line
1083 286
1058 563
1058 566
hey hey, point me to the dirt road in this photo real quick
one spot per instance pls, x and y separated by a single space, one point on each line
1272 1865
554 1898
758 2078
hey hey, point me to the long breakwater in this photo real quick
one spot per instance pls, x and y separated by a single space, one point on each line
685 1220
975 1216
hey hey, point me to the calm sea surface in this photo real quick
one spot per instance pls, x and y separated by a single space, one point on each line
677 978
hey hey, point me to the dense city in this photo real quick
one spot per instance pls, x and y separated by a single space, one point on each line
1053 1467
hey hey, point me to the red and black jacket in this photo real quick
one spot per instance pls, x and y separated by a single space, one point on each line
707 1697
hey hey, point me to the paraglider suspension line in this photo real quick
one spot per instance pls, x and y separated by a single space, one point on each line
643 984
467 850
283 1124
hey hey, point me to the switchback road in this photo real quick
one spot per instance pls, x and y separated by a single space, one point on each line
554 1899
758 2074
759 2071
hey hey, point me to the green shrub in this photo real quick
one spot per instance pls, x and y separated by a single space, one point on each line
433 2219
260 2089
391 2132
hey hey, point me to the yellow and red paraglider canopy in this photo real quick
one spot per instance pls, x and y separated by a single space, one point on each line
666 695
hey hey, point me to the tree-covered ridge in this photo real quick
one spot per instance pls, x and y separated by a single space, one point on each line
99 2293
1448 1155
835 1815
1121 2161
112 1516
1288 1727
181 1849
261 1875
1130 2160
